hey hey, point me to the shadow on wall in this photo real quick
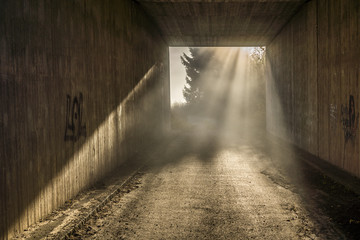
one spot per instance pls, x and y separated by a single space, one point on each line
135 122
75 106
81 93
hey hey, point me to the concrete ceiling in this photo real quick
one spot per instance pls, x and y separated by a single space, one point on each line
220 22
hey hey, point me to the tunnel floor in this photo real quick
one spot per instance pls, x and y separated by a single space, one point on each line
236 191
228 198
242 190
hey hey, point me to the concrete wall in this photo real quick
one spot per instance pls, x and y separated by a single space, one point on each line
313 72
81 83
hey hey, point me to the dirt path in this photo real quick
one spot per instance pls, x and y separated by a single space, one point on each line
233 193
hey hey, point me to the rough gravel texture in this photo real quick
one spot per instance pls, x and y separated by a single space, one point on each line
209 187
237 191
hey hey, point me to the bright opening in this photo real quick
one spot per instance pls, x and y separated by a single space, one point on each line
217 90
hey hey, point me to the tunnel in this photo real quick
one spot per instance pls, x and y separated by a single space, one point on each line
84 83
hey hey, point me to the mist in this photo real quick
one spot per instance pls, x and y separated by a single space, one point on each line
230 113
232 104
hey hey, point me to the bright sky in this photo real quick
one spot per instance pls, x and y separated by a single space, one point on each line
177 74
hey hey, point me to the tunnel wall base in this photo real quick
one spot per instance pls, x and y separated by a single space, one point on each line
313 82
83 84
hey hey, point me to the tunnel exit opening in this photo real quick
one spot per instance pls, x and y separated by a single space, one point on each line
217 90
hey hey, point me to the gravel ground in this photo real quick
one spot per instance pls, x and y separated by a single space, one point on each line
238 191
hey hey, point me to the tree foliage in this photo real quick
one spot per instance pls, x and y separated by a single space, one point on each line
257 56
257 71
196 63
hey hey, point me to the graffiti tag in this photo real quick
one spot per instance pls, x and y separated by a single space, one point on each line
74 128
349 119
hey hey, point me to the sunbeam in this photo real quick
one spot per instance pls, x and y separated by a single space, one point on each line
230 91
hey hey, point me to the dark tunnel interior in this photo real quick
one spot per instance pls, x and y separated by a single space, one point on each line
85 90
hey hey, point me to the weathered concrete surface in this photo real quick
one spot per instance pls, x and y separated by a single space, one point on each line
220 23
237 192
314 78
64 220
77 80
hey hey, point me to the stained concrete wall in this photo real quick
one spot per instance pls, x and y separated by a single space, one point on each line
313 75
81 85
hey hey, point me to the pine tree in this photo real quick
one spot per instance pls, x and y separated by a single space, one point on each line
257 64
195 65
